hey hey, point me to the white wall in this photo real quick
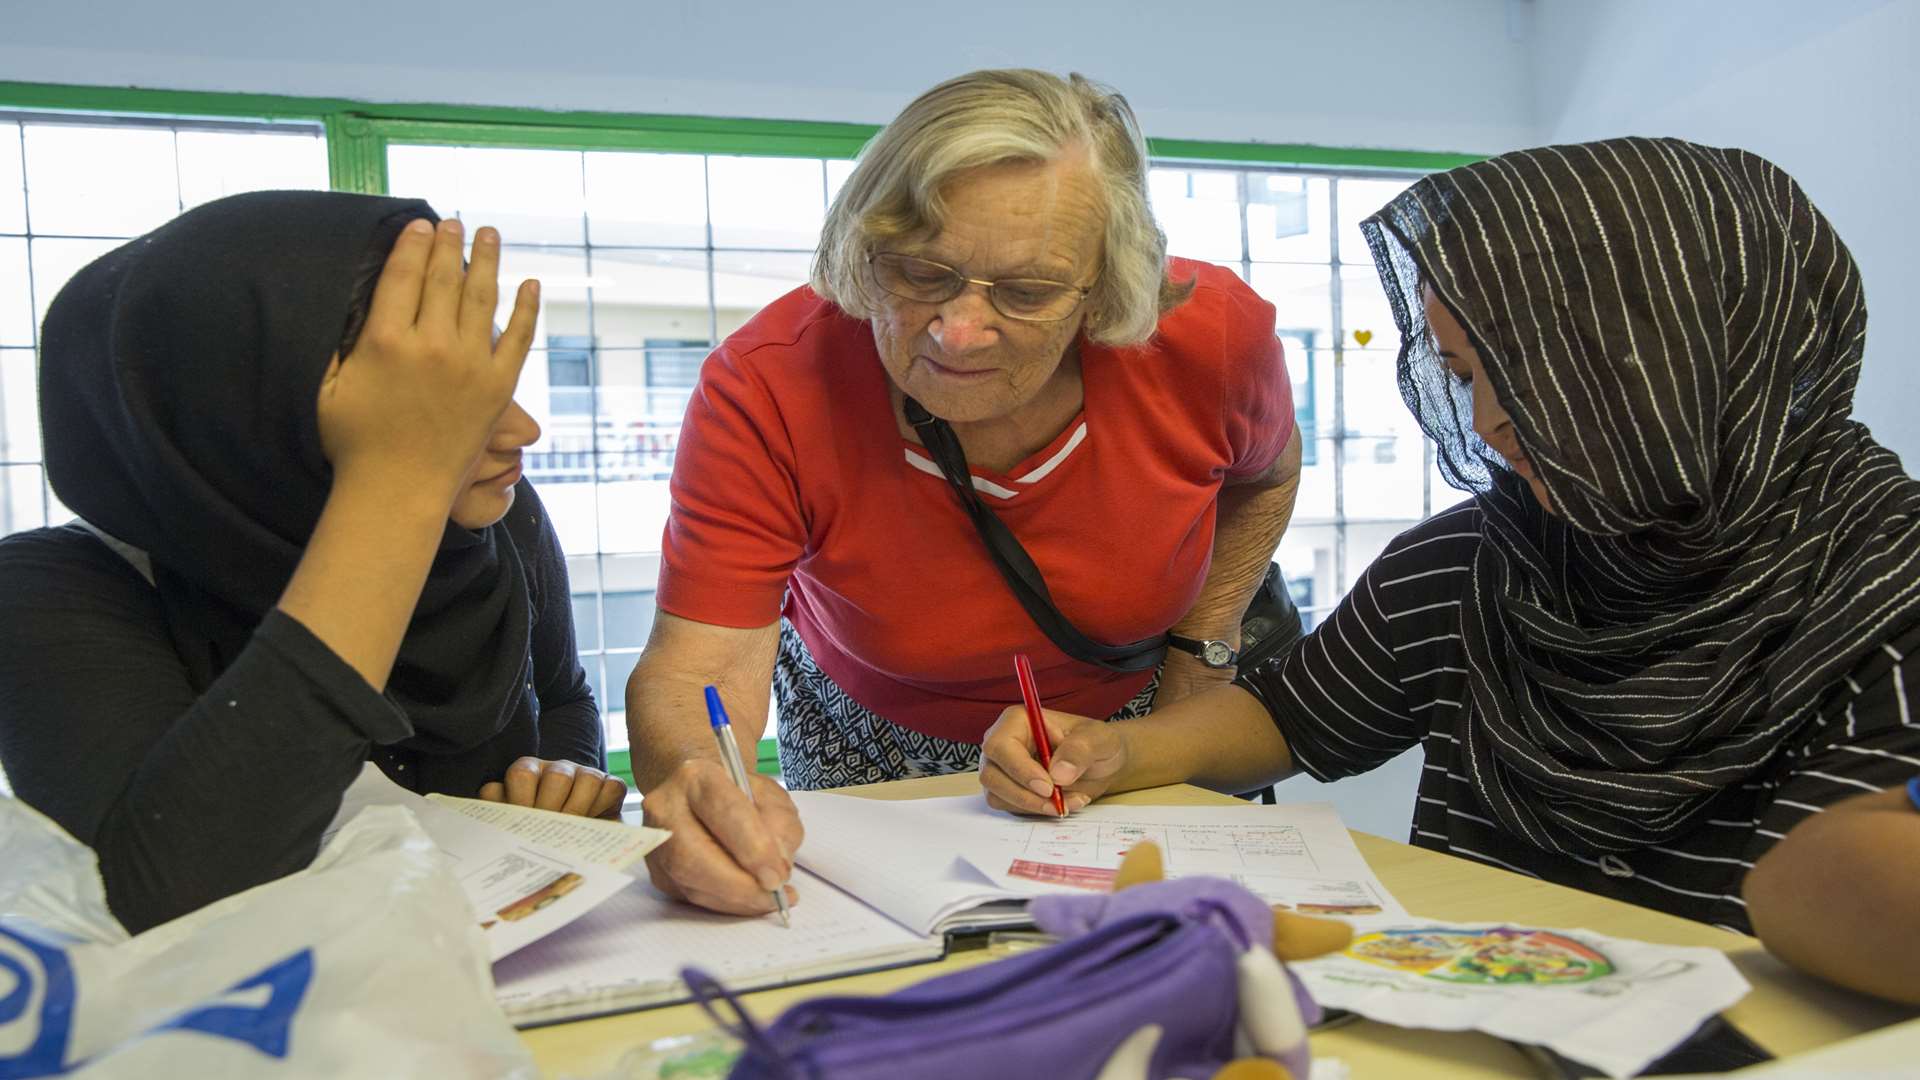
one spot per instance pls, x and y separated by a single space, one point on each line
1291 71
1827 90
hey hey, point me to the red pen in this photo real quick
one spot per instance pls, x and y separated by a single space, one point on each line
1030 694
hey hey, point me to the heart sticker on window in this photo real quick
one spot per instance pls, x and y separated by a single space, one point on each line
1363 336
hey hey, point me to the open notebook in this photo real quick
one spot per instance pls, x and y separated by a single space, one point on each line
627 953
906 864
873 894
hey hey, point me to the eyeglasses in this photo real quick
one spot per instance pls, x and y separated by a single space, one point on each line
927 282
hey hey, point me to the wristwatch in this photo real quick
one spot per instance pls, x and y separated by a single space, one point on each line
1212 652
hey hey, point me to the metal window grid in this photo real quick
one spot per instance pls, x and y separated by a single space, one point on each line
13 127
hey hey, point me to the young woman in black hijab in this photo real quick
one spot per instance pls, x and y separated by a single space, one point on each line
1680 618
303 544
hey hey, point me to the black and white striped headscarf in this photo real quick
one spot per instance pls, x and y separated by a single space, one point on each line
1676 332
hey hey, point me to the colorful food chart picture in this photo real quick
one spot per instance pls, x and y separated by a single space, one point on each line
1502 955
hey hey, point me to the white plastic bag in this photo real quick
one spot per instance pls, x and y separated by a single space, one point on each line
368 963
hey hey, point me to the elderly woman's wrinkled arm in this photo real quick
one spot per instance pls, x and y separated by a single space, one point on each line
1839 896
1252 516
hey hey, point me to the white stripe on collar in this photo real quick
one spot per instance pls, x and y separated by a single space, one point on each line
1047 466
988 487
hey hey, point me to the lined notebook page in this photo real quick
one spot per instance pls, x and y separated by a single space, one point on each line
888 856
628 952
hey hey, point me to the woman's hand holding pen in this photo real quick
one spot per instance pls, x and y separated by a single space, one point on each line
1088 756
727 853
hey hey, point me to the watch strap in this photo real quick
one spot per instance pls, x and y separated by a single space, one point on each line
1200 648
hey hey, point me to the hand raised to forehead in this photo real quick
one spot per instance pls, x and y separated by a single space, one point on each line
428 377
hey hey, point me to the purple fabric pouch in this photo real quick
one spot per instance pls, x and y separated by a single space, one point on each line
1166 954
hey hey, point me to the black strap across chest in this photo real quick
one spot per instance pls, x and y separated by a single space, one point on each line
1016 566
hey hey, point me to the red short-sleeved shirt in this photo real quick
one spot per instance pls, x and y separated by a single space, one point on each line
794 493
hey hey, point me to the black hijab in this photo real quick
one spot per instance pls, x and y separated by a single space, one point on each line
1676 332
179 382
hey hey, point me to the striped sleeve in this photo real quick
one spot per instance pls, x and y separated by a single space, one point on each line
1337 698
1869 744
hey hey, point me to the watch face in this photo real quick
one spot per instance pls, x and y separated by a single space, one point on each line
1217 654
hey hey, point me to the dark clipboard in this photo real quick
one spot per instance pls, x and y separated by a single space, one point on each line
1715 1047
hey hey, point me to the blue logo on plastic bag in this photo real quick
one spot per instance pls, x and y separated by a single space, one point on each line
264 1027
37 995
52 1022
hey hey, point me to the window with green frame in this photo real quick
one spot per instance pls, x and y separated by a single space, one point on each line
655 236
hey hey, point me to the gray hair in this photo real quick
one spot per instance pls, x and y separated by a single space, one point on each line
998 117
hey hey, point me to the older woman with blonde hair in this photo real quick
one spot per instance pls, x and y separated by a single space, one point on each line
1000 421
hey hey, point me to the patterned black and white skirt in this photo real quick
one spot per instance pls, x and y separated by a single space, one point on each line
827 739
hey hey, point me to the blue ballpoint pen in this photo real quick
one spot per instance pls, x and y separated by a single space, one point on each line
730 753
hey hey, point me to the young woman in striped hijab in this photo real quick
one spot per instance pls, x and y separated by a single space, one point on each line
1680 615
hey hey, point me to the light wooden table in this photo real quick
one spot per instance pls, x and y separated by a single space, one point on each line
1787 1012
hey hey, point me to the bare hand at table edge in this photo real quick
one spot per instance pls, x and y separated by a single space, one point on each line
567 787
727 854
1088 757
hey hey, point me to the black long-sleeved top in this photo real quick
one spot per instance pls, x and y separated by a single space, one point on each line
1388 671
189 796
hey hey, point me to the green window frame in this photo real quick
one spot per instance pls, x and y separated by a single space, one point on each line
358 134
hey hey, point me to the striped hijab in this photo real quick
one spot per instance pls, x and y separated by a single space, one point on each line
1676 332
